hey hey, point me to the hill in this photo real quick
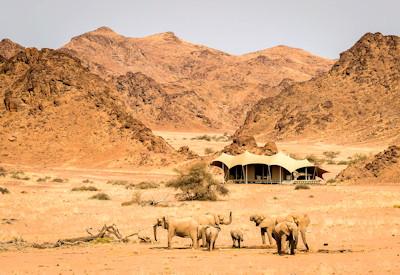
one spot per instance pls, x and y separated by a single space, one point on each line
56 112
356 101
9 48
219 87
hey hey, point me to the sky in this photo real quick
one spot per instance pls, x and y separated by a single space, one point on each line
323 27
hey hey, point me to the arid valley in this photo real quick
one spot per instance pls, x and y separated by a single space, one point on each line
108 142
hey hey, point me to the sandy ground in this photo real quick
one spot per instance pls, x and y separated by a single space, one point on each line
354 229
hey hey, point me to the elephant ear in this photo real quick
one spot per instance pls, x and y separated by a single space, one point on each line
266 223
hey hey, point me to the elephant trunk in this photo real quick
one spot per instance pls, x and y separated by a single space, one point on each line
155 231
230 219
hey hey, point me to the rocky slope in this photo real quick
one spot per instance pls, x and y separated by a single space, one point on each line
9 48
357 100
218 87
56 112
384 167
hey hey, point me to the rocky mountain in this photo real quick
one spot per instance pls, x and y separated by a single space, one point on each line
357 100
208 88
384 167
56 112
9 48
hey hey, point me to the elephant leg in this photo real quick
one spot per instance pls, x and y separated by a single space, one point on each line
292 246
263 235
283 244
278 245
171 233
269 234
233 243
239 243
303 237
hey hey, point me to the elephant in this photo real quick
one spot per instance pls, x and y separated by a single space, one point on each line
187 227
267 224
286 232
237 236
214 220
210 233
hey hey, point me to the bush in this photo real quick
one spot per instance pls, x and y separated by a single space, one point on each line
136 199
198 184
330 181
356 158
59 180
301 186
331 154
87 181
101 196
85 188
118 182
4 190
208 151
19 175
45 179
147 185
396 206
3 172
343 162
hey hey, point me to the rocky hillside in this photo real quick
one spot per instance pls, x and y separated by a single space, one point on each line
384 167
9 48
219 87
357 100
56 112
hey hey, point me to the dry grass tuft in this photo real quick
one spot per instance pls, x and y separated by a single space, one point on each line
3 172
4 190
100 196
19 175
301 187
147 185
396 206
85 188
118 182
136 199
45 179
87 181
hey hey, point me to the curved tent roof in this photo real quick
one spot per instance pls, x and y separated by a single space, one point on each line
280 159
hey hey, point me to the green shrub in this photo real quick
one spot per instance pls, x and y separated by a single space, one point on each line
4 190
101 196
147 185
301 186
198 184
85 188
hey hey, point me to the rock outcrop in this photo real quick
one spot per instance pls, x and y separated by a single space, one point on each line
248 143
57 112
357 100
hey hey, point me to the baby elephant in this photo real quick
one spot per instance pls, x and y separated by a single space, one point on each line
284 233
236 235
211 234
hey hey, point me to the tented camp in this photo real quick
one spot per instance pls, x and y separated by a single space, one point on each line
278 168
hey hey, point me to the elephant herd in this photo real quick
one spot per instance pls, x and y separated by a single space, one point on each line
283 230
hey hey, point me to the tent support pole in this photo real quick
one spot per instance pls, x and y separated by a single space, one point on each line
246 176
280 174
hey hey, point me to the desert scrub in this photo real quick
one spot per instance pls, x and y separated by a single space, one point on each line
356 158
197 183
100 196
343 162
87 181
59 180
3 172
330 181
19 175
4 190
396 206
85 188
118 182
147 185
208 151
136 199
45 179
301 187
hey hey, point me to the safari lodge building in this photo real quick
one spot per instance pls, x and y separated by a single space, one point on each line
275 169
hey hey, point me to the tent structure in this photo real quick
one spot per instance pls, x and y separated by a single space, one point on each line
279 168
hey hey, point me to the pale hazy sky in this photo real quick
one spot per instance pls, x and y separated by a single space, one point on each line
324 27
